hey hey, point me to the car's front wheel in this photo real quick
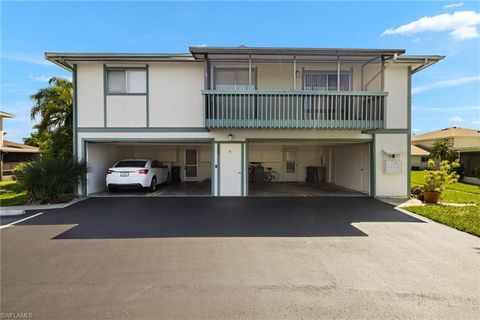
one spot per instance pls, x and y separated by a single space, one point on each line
153 185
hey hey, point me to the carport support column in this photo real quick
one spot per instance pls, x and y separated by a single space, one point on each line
245 169
373 168
215 168
82 187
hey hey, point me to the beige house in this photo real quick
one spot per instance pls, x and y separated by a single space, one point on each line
213 112
465 141
12 153
419 157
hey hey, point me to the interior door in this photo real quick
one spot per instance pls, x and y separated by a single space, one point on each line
230 161
191 164
290 165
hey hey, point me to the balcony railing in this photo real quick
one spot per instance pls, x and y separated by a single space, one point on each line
294 109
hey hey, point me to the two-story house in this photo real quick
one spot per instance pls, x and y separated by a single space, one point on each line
215 110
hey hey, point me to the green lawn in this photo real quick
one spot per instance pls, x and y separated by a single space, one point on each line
11 194
456 193
462 218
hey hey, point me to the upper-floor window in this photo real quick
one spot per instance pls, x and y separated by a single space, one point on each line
326 81
126 81
234 79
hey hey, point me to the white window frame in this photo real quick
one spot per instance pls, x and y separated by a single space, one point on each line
254 78
328 73
126 70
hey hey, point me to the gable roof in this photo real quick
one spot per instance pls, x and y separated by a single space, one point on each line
447 133
417 151
10 146
4 114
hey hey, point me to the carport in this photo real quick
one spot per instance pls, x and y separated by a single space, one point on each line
309 168
189 164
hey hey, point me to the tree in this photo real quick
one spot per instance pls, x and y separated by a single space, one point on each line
54 107
442 149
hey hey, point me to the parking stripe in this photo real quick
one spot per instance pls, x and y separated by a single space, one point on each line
15 222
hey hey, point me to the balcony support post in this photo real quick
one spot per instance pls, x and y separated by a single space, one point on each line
206 80
294 72
249 71
382 81
338 73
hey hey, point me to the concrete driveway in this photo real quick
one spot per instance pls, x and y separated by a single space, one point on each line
237 258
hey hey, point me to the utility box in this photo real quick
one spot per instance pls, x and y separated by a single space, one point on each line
392 164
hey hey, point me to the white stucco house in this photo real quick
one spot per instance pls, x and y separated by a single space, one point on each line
214 110
465 141
419 157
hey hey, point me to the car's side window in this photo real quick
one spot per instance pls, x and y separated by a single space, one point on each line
154 164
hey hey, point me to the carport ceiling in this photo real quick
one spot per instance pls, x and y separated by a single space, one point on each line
153 144
304 143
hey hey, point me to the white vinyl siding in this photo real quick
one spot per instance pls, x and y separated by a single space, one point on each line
126 81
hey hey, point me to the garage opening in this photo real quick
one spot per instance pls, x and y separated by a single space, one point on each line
308 168
183 169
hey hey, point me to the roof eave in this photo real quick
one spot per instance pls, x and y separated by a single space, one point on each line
200 52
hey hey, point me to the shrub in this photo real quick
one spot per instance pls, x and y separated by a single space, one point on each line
437 180
50 178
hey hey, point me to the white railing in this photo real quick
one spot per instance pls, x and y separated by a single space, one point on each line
294 109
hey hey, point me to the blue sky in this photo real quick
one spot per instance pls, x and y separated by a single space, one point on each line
446 94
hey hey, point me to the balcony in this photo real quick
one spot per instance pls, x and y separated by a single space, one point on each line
294 109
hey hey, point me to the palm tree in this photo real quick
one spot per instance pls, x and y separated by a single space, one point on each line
54 104
442 149
54 107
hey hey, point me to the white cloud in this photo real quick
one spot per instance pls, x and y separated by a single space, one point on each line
416 40
455 119
453 5
41 78
445 84
460 24
417 130
464 33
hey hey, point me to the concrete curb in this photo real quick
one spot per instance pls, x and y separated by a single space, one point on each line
38 207
11 213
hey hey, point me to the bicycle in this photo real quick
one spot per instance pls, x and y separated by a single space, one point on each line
269 175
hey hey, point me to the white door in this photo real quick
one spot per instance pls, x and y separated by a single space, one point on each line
230 161
290 165
191 164
365 169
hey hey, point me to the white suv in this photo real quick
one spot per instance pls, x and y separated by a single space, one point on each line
137 173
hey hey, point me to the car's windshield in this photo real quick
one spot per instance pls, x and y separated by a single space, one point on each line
131 164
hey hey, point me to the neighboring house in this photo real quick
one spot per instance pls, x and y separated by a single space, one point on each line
214 110
465 141
12 153
419 157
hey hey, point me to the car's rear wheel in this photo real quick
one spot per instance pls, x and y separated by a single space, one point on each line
113 189
153 185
